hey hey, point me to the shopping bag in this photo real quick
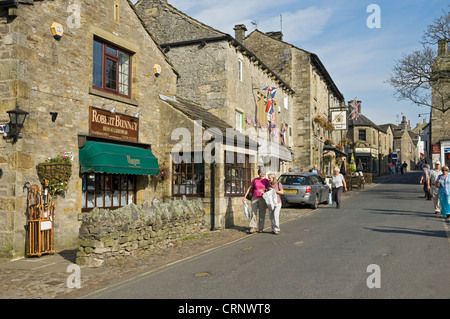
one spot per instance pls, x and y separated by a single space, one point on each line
270 197
246 210
330 199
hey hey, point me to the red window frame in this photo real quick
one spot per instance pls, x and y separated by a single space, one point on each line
114 58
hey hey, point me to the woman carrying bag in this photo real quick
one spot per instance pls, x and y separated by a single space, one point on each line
337 186
274 214
258 186
443 183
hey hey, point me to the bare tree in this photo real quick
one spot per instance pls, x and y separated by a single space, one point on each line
414 76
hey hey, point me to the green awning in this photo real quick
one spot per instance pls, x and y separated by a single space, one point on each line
99 157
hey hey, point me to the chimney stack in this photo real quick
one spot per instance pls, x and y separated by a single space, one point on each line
239 33
277 35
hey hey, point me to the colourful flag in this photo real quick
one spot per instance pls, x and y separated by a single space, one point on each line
283 133
354 113
271 90
269 105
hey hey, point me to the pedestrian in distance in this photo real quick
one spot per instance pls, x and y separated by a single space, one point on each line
404 166
274 214
443 183
258 186
434 173
425 180
314 169
337 186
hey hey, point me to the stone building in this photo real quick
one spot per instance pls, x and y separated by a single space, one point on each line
440 114
224 81
372 144
316 94
91 94
404 146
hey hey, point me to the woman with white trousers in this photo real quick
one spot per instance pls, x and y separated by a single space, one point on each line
274 214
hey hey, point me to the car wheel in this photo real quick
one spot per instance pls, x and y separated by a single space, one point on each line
316 202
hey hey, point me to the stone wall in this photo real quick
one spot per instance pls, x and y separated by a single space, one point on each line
107 236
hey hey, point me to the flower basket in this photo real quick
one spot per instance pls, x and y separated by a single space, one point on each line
57 175
56 171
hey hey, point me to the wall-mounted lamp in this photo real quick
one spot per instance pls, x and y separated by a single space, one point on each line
54 116
136 115
16 119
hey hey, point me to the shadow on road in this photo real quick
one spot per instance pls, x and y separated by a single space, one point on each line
410 231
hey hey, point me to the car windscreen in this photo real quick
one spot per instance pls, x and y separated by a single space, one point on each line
293 180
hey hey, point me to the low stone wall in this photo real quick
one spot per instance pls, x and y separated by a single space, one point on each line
109 235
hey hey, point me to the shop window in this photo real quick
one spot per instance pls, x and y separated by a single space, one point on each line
237 174
111 69
188 178
109 191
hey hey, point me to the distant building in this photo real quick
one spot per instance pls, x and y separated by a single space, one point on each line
404 148
372 144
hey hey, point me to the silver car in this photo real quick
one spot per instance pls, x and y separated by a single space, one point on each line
304 188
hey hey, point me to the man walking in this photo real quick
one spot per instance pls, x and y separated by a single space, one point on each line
434 173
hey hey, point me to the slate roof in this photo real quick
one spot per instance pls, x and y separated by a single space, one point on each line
209 121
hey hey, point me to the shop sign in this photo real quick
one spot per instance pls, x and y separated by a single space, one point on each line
113 125
436 149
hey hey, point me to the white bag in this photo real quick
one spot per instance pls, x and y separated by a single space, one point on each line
246 210
270 198
330 199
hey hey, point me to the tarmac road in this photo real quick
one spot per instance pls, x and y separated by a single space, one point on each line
386 237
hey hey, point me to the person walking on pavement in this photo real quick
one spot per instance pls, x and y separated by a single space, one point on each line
274 214
337 186
443 183
258 186
425 180
434 173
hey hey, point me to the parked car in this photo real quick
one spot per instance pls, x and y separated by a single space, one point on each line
304 188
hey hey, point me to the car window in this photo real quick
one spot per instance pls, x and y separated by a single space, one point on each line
292 180
315 179
312 180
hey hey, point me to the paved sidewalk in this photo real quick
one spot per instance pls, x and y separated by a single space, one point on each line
47 276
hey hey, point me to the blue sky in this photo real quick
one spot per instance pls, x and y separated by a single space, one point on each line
358 58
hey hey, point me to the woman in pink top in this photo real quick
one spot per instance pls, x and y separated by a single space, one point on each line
260 185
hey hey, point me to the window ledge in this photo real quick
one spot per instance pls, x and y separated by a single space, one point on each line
114 97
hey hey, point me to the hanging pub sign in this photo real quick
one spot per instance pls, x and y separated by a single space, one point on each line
339 120
107 124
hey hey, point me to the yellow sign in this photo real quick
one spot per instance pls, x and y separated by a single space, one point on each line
57 30
157 69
